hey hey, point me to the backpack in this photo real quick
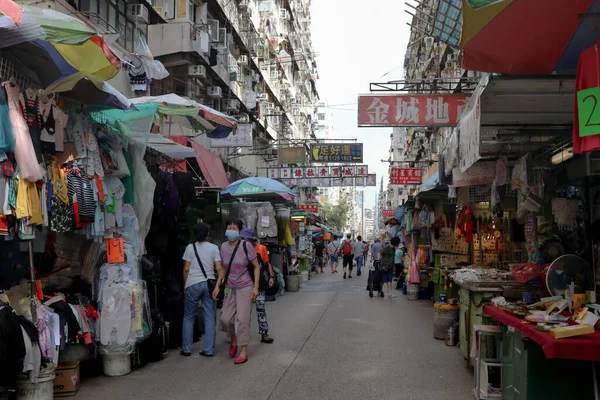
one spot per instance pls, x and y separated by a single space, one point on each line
347 249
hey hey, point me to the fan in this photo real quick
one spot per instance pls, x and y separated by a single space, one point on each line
566 269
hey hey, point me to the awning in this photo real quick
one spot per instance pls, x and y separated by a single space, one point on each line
170 148
432 183
211 166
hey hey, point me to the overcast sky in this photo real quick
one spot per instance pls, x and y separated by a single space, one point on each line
357 42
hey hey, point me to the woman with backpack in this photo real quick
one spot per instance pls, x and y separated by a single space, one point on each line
386 261
347 251
241 276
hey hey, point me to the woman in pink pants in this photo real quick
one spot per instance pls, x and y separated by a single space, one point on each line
240 274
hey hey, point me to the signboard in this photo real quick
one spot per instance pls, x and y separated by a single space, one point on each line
291 155
411 110
371 180
406 176
313 208
241 138
336 152
362 170
387 213
330 182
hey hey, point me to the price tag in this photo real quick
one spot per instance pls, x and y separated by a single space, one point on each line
588 111
115 251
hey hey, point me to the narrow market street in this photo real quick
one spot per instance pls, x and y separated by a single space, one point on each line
331 342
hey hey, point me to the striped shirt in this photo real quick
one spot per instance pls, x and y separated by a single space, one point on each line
81 197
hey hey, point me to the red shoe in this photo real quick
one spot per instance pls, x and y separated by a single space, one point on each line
240 360
232 351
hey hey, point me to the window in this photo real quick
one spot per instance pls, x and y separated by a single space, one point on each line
321 116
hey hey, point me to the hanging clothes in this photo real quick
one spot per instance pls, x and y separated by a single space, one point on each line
7 137
81 197
588 76
25 155
29 101
28 203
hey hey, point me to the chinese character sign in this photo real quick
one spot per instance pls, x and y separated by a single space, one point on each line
313 208
273 173
406 176
371 180
242 137
285 173
411 110
310 172
387 213
362 170
336 152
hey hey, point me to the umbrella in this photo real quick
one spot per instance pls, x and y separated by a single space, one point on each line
12 11
527 37
59 27
257 186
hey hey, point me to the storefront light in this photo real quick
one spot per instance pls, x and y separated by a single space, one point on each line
564 155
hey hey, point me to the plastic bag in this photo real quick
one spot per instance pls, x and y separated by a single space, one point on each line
154 69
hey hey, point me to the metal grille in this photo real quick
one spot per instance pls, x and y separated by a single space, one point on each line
8 71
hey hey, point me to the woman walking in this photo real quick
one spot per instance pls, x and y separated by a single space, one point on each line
241 274
201 258
387 258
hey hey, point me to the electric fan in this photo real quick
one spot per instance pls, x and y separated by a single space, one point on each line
566 269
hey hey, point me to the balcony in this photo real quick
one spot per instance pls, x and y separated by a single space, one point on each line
177 37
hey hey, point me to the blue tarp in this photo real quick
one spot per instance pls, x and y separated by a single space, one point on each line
432 183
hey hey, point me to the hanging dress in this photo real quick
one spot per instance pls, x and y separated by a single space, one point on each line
25 155
7 137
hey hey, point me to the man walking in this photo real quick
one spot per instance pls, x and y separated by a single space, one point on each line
347 251
359 249
318 250
263 259
332 249
375 249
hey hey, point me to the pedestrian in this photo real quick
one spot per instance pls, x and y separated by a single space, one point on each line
359 253
365 252
398 268
318 251
242 287
265 265
333 251
347 251
386 262
201 258
375 249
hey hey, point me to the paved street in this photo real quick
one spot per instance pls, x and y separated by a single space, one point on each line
332 342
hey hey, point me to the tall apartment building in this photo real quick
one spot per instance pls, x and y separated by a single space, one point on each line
369 223
251 59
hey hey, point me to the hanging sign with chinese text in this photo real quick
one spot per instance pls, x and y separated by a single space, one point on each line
406 176
313 208
336 152
242 137
411 110
387 213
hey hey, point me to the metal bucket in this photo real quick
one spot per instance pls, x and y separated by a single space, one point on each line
43 389
304 275
444 316
292 283
116 364
412 291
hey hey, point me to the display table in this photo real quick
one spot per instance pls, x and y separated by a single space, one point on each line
583 348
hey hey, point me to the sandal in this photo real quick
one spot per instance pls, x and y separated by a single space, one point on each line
240 360
232 351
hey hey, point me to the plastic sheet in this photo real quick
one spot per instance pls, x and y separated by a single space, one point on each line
145 186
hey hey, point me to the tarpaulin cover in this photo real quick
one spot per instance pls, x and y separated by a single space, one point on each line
583 347
211 166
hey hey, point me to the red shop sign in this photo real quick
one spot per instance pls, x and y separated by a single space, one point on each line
406 176
387 213
411 110
313 208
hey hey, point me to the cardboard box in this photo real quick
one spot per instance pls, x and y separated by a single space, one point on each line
570 331
66 382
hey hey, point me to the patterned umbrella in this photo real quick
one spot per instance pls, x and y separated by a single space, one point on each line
527 37
257 186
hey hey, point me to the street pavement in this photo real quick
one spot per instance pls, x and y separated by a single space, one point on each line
331 342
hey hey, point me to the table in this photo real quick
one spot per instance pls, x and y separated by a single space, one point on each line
582 348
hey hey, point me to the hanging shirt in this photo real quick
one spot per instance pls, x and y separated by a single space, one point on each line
588 75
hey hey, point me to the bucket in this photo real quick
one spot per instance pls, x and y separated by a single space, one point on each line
292 283
412 291
42 390
116 364
444 316
304 275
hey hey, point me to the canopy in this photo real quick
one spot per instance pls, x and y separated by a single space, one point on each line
211 166
258 186
170 148
527 37
432 183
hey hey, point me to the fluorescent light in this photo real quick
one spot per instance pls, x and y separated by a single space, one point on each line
564 155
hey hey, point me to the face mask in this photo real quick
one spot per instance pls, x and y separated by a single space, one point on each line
232 235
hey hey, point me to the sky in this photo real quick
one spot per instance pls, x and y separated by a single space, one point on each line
357 42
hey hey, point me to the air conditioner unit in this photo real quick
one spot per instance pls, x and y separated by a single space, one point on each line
213 30
215 92
284 14
232 105
138 13
273 73
429 41
197 71
243 60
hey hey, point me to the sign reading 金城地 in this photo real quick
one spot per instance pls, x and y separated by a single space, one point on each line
411 110
336 152
406 176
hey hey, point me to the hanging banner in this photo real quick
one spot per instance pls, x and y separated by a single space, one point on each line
406 176
313 208
411 110
480 173
387 213
336 152
241 138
